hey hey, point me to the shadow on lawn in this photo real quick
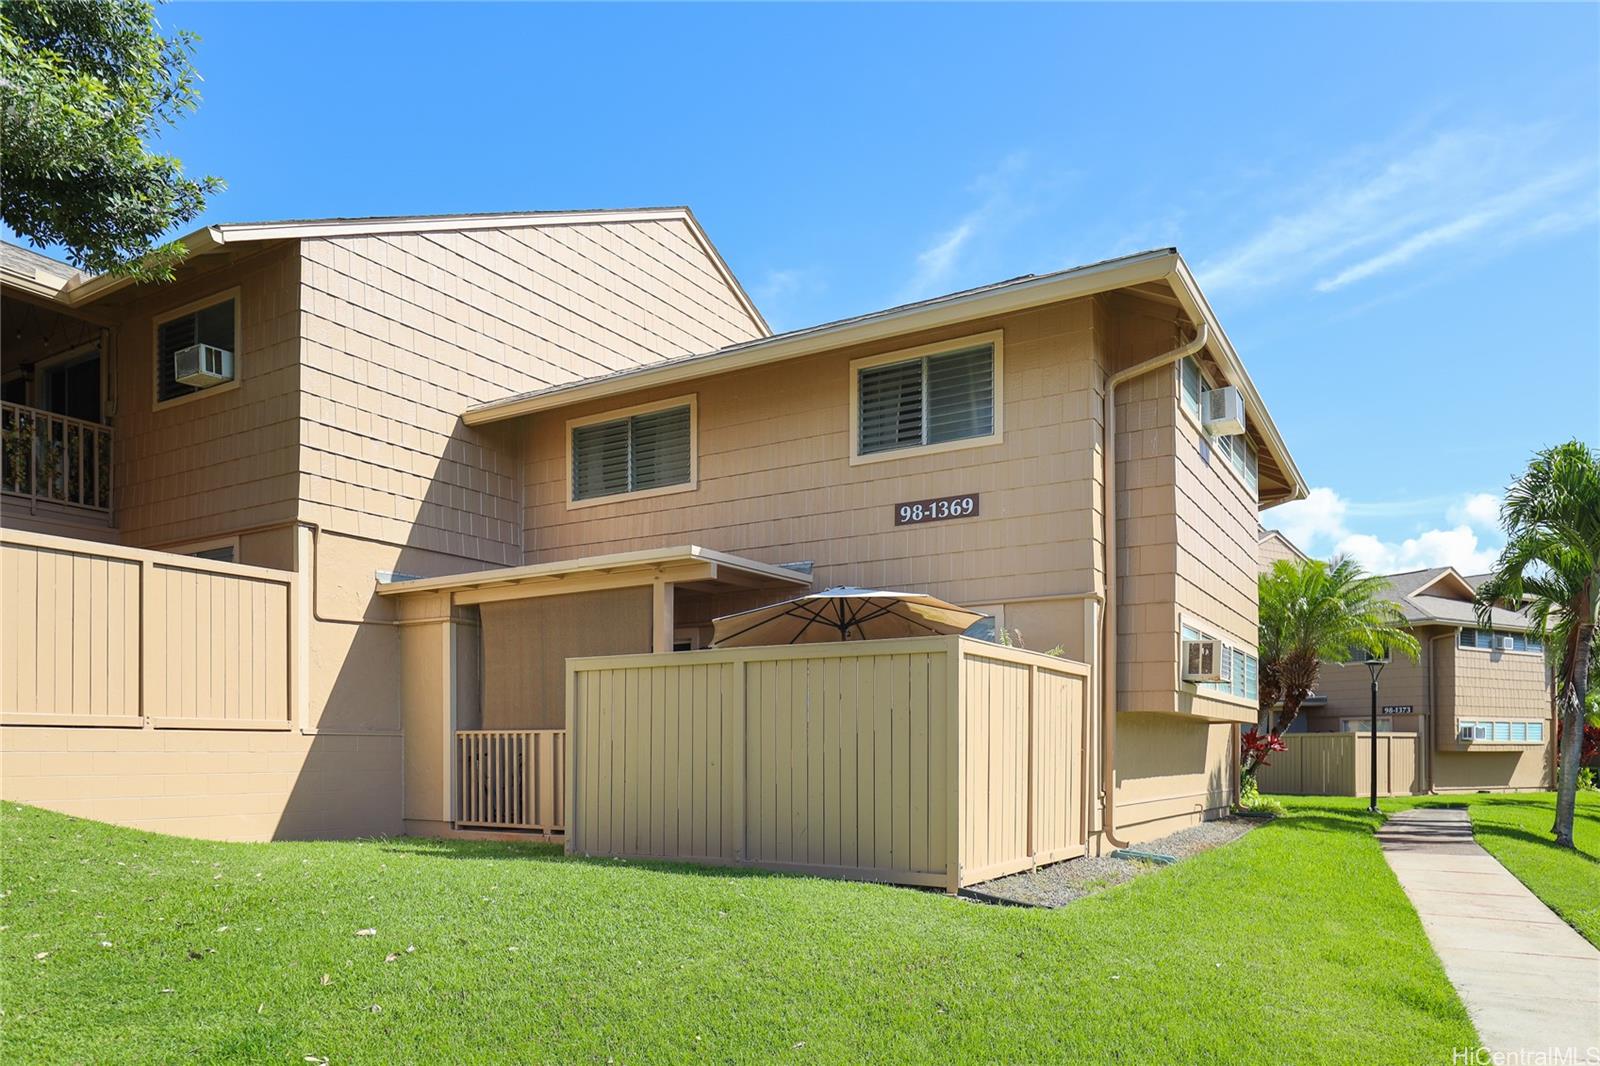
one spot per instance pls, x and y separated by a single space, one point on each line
427 847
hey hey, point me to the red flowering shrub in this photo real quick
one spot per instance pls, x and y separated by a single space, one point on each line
1255 746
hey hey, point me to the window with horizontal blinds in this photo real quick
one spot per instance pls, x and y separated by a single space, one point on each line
211 325
660 449
645 451
929 400
891 406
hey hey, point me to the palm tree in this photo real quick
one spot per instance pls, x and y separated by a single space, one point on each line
1551 568
1313 611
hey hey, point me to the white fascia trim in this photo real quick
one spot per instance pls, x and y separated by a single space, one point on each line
272 231
635 560
212 238
1087 281
1194 302
202 241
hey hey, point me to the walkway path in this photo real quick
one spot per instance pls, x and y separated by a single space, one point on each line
1529 981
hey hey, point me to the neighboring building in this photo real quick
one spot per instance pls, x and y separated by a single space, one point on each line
1477 697
458 452
1273 547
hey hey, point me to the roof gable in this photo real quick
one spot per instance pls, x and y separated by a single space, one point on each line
1446 583
216 238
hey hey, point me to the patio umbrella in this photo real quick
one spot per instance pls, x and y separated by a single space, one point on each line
842 613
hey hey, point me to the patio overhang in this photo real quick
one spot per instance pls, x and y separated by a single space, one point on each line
689 567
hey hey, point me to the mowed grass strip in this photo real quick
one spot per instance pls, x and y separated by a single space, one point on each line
1516 830
1294 944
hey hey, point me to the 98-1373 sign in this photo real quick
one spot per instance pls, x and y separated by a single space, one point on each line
916 512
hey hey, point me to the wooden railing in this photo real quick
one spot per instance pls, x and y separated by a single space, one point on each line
511 779
54 458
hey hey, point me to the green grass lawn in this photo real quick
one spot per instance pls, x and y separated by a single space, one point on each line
1516 830
1294 944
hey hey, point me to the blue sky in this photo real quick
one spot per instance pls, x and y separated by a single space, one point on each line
1392 208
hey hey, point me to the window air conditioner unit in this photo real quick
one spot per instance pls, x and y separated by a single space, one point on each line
202 366
1207 660
1507 644
1222 411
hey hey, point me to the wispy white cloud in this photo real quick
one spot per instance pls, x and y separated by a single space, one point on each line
1509 206
936 264
1324 525
784 295
1001 203
1368 215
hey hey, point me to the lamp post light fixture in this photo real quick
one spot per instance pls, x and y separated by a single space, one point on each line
1375 667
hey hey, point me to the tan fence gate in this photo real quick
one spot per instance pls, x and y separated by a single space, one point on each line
511 779
936 760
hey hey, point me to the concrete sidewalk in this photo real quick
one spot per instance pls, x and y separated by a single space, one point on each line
1529 981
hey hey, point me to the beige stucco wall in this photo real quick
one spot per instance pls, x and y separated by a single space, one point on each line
219 784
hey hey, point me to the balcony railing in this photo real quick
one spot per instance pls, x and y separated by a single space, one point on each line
56 459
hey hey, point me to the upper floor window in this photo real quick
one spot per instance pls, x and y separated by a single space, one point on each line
1488 640
1240 451
214 322
939 395
1193 382
645 449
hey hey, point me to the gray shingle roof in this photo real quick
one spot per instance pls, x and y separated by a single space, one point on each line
25 261
1426 607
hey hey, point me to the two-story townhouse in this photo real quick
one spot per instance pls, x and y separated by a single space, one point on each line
1477 697
335 451
495 444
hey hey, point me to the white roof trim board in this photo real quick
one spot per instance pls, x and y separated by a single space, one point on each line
214 238
1160 265
647 559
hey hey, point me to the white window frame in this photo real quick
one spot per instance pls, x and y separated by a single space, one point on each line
691 401
1492 650
1210 442
157 403
993 338
1207 631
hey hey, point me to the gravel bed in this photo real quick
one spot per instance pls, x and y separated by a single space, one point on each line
1063 882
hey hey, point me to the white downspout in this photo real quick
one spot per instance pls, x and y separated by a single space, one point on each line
1108 627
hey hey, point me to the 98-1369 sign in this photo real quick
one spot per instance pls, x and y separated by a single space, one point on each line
916 512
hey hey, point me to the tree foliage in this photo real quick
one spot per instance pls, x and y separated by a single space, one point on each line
85 88
1550 567
1315 611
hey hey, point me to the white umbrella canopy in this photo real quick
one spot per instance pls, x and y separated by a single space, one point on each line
842 613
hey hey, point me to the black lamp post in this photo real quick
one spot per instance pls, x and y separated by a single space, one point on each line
1375 667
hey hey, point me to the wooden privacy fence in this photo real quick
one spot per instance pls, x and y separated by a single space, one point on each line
511 779
933 761
96 635
1339 764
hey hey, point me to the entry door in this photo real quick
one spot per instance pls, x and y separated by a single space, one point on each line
71 386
